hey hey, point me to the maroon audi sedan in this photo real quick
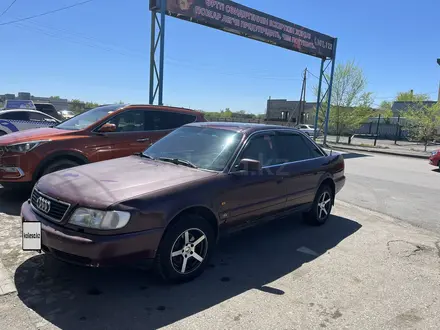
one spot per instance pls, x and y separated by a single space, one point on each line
170 203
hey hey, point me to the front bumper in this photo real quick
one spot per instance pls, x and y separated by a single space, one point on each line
16 168
94 250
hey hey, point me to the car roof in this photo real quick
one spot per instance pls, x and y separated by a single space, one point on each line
161 107
240 127
20 110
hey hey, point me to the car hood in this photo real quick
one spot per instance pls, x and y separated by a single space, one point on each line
35 134
99 185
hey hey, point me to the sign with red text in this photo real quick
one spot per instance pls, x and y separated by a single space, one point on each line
232 17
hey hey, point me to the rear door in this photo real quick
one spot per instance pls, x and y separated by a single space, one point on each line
37 120
303 168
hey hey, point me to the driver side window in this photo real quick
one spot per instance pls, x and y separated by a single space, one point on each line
129 121
261 148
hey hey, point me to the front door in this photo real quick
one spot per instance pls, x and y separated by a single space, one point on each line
254 195
130 135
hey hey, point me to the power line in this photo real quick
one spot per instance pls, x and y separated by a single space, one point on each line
7 8
46 13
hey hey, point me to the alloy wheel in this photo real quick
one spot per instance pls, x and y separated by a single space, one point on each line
188 251
324 205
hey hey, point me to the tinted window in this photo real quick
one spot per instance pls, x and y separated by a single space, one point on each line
261 148
38 117
164 120
19 115
47 108
293 147
129 121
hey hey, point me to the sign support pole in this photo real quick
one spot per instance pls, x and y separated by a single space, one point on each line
157 46
327 115
318 102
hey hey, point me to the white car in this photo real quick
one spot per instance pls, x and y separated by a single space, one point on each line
15 120
309 129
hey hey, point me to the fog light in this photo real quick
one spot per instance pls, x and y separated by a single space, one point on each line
12 172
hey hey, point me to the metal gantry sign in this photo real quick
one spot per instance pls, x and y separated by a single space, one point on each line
235 18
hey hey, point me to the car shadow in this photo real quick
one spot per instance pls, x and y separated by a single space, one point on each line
11 201
351 155
436 170
72 297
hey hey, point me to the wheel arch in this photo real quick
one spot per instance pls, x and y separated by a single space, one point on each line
72 155
328 181
200 210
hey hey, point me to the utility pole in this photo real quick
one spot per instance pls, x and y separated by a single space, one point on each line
302 99
300 106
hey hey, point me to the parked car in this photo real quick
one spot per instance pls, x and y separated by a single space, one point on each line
21 119
102 133
434 159
171 203
48 108
308 129
66 114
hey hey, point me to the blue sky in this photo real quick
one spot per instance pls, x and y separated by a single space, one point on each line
100 52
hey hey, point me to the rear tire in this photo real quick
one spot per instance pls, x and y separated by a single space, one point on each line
59 165
185 249
322 206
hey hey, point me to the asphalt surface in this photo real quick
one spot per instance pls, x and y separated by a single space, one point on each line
404 188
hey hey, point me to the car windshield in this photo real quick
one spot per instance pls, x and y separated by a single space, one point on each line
206 148
88 118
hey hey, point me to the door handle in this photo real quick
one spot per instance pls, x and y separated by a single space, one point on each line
143 140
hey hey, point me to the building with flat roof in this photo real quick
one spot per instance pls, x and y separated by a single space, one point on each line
291 111
59 104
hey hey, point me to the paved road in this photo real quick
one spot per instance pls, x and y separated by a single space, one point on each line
404 188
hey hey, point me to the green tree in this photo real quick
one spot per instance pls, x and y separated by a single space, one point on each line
55 97
423 122
385 109
409 96
350 104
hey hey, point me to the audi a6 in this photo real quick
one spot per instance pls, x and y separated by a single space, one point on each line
170 204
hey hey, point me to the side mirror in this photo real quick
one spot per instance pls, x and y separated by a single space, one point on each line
107 128
249 165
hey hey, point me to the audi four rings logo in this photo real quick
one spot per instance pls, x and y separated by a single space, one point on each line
43 204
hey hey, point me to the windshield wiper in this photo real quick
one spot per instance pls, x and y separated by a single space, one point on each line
142 155
177 161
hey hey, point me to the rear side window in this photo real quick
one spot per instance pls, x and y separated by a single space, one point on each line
19 115
35 116
293 147
166 120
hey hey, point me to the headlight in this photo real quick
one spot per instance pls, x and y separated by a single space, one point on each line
24 147
99 219
435 152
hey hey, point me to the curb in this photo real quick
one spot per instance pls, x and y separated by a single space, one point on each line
426 157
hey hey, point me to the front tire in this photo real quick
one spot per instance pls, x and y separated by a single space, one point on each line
322 206
185 249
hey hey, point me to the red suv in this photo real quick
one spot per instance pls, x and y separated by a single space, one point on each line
102 133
